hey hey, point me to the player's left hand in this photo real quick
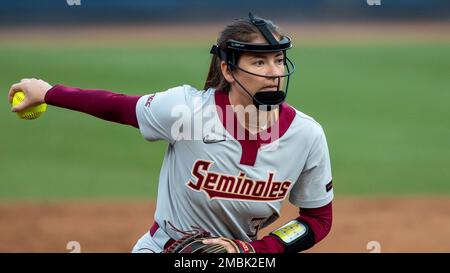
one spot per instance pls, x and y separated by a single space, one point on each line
199 240
221 241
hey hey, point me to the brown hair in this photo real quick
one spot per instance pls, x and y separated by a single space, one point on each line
240 30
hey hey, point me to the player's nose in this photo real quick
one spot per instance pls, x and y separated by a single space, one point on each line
274 70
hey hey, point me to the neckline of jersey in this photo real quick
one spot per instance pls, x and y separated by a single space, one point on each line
250 146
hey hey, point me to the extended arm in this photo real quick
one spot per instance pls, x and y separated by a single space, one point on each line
106 105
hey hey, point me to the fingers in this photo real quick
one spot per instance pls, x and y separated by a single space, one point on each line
229 247
34 90
14 88
21 106
20 86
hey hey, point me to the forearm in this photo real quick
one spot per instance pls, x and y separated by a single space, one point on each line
103 104
317 220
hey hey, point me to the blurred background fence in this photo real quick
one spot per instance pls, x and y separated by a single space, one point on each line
119 12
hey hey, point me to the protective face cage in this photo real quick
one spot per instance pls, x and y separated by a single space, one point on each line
264 100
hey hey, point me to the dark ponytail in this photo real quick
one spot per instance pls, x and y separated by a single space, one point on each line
240 30
215 77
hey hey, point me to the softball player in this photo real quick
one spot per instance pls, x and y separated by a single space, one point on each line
235 150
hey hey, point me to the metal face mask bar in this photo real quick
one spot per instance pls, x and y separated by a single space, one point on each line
265 98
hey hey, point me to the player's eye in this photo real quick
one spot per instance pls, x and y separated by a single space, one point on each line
280 61
259 63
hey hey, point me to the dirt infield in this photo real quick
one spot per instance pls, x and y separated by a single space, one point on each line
397 225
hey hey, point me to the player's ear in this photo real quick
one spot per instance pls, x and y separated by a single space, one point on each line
225 72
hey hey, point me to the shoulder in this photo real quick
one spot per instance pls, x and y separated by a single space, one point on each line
189 93
307 123
183 91
179 95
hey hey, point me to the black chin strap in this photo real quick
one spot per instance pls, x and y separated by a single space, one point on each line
264 101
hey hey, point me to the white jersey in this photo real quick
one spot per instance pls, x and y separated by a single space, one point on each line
213 178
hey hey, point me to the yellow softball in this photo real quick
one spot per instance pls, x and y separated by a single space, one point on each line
31 112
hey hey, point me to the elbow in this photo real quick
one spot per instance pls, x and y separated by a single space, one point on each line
320 221
326 228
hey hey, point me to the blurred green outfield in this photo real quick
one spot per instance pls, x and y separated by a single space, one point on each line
385 109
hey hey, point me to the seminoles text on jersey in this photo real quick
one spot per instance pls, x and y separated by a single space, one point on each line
219 185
